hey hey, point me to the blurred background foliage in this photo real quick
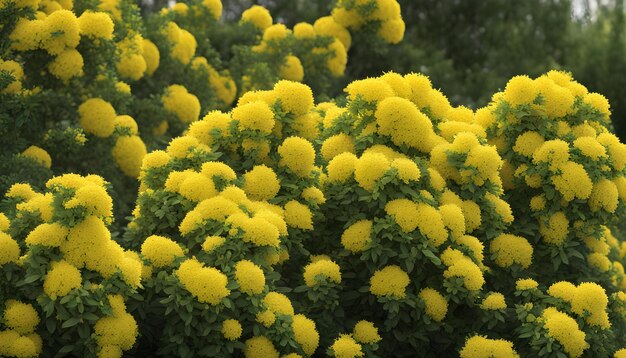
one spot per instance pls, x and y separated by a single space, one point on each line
470 48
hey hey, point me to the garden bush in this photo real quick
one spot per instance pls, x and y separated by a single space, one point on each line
173 196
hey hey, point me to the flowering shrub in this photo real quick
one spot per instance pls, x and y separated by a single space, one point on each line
267 219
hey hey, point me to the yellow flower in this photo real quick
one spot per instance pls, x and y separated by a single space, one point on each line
9 249
250 277
39 155
46 234
255 115
314 194
97 117
436 304
326 25
392 31
183 104
94 199
260 347
337 63
563 290
341 167
67 64
207 284
554 229
184 48
527 142
365 332
391 281
326 268
335 145
292 69
357 237
298 215
96 25
61 279
591 298
525 284
258 16
346 347
278 303
128 153
520 90
565 330
480 347
298 155
590 147
305 333
573 182
370 90
599 103
261 183
231 329
214 6
160 250
61 32
20 317
511 249
604 196
260 232
212 242
368 169
493 301
407 170
151 56
120 330
399 119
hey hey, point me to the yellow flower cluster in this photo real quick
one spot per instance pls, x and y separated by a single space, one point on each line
479 346
20 338
436 304
510 249
588 300
326 269
116 332
565 330
494 301
390 281
207 284
356 14
180 102
346 347
462 266
160 251
250 277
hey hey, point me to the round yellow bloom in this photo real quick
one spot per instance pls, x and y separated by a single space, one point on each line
326 268
278 303
255 115
305 333
591 297
554 230
573 182
335 145
261 183
214 6
183 104
20 317
357 237
337 63
97 117
260 347
151 56
212 242
119 330
391 281
15 69
365 332
525 284
341 167
292 69
493 301
436 304
161 251
303 30
258 16
61 32
128 153
314 194
260 232
61 279
67 64
369 89
407 169
599 103
520 90
207 284
250 277
326 25
392 31
96 25
346 347
511 249
9 249
527 142
39 155
565 330
231 329
563 290
298 215
298 155
604 196
481 347
400 119
368 169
